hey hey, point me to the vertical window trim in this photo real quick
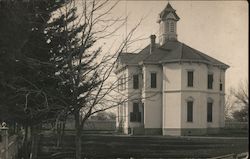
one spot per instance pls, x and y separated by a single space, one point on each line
151 84
188 82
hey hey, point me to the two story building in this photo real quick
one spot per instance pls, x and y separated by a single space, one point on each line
170 87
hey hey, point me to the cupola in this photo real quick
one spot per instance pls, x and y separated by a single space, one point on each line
168 25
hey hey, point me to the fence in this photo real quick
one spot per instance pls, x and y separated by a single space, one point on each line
8 145
96 125
243 155
100 125
236 125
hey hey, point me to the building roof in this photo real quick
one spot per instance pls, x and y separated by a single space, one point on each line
171 51
126 57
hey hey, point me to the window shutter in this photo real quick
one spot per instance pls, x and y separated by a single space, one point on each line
132 117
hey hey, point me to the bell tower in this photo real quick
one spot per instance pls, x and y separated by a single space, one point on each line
168 25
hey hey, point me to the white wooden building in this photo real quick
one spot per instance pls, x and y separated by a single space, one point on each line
171 88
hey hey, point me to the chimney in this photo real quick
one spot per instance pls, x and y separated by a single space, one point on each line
152 43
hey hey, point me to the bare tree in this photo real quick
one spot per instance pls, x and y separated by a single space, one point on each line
84 70
241 102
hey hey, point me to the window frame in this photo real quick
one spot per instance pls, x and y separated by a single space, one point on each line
221 86
190 117
135 85
209 111
210 83
192 81
135 115
151 81
171 27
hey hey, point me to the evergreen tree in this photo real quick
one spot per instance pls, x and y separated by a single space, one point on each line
28 85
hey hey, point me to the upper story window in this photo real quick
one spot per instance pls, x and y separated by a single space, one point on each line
135 81
153 78
190 78
190 111
221 86
122 83
210 81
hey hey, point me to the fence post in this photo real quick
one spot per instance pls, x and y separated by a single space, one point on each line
5 137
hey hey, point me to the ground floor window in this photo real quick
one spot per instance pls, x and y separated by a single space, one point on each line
209 112
190 111
135 116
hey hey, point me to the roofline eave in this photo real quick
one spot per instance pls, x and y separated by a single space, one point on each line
224 66
123 66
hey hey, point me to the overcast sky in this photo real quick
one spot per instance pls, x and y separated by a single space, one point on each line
217 28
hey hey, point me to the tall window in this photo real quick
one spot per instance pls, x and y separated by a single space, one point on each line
210 81
209 112
135 116
190 111
135 81
153 80
190 78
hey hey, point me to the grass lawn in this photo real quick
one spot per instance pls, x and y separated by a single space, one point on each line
115 146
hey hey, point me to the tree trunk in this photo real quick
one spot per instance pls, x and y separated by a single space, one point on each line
62 133
58 133
78 136
34 144
25 142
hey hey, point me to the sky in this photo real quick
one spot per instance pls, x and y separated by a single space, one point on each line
216 28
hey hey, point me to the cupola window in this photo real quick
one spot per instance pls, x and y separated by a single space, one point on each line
171 27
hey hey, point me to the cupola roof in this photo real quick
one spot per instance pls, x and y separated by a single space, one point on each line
168 9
